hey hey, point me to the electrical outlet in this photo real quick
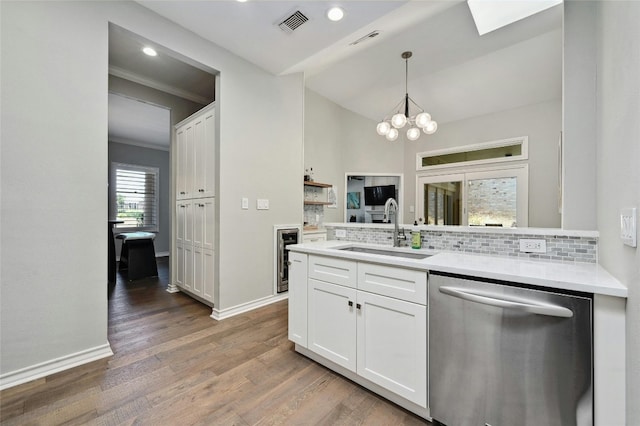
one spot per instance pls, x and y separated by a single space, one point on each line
341 233
628 229
533 245
245 203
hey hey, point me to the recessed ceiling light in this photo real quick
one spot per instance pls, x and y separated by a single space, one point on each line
150 51
241 1
335 14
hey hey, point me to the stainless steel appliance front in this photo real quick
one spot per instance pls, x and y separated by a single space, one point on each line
285 237
503 355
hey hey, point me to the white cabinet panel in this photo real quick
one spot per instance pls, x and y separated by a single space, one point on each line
298 298
333 270
179 265
313 237
196 151
332 323
185 150
392 345
204 223
405 284
208 275
205 156
188 268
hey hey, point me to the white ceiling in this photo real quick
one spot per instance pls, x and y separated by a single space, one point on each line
454 73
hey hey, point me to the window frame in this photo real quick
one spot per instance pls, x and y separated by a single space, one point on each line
464 174
523 141
120 228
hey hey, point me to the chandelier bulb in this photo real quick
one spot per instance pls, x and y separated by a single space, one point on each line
431 127
398 120
383 128
393 134
413 134
423 119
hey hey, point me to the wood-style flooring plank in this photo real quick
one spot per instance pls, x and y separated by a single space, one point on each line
174 365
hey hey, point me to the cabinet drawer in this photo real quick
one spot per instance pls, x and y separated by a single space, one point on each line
332 270
312 238
404 284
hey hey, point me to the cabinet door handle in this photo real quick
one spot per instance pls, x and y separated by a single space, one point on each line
200 190
182 192
358 306
200 205
350 303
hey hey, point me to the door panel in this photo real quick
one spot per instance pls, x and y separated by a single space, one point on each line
332 322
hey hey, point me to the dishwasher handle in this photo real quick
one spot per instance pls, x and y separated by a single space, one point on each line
521 304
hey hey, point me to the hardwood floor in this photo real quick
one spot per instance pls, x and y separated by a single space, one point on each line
173 365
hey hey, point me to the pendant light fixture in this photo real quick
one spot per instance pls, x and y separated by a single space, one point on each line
421 122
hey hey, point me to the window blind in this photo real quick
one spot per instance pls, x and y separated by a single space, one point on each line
136 190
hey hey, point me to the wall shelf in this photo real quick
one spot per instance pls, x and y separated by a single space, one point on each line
316 203
317 184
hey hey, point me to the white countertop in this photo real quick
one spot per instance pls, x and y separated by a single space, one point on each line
584 277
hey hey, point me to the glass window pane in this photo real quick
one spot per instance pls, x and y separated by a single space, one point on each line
481 154
492 202
442 203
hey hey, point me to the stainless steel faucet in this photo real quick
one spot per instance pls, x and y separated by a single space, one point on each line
391 202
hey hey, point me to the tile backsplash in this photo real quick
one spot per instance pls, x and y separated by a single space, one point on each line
564 248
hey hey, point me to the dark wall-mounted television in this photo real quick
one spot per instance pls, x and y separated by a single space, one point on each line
378 195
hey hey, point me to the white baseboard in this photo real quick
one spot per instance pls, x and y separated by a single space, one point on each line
37 371
218 314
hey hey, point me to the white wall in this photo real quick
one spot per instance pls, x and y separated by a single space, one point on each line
540 122
337 141
579 109
618 164
54 182
54 171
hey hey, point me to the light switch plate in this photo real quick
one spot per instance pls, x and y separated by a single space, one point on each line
262 204
245 203
341 233
628 228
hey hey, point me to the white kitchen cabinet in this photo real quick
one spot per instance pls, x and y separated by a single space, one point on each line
400 283
204 177
204 223
332 322
195 219
195 234
298 298
196 152
185 154
187 267
314 236
203 264
184 222
333 270
392 345
381 339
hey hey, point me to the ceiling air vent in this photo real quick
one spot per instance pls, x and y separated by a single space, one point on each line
369 36
289 24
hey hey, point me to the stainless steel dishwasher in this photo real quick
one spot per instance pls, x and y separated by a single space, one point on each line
503 355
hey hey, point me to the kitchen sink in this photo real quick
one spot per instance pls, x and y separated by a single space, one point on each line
386 252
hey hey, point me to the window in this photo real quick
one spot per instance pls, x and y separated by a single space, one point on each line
490 197
134 194
505 150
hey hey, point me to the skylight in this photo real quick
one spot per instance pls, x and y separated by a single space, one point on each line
489 15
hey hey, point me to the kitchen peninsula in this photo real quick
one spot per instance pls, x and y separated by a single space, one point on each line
347 270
